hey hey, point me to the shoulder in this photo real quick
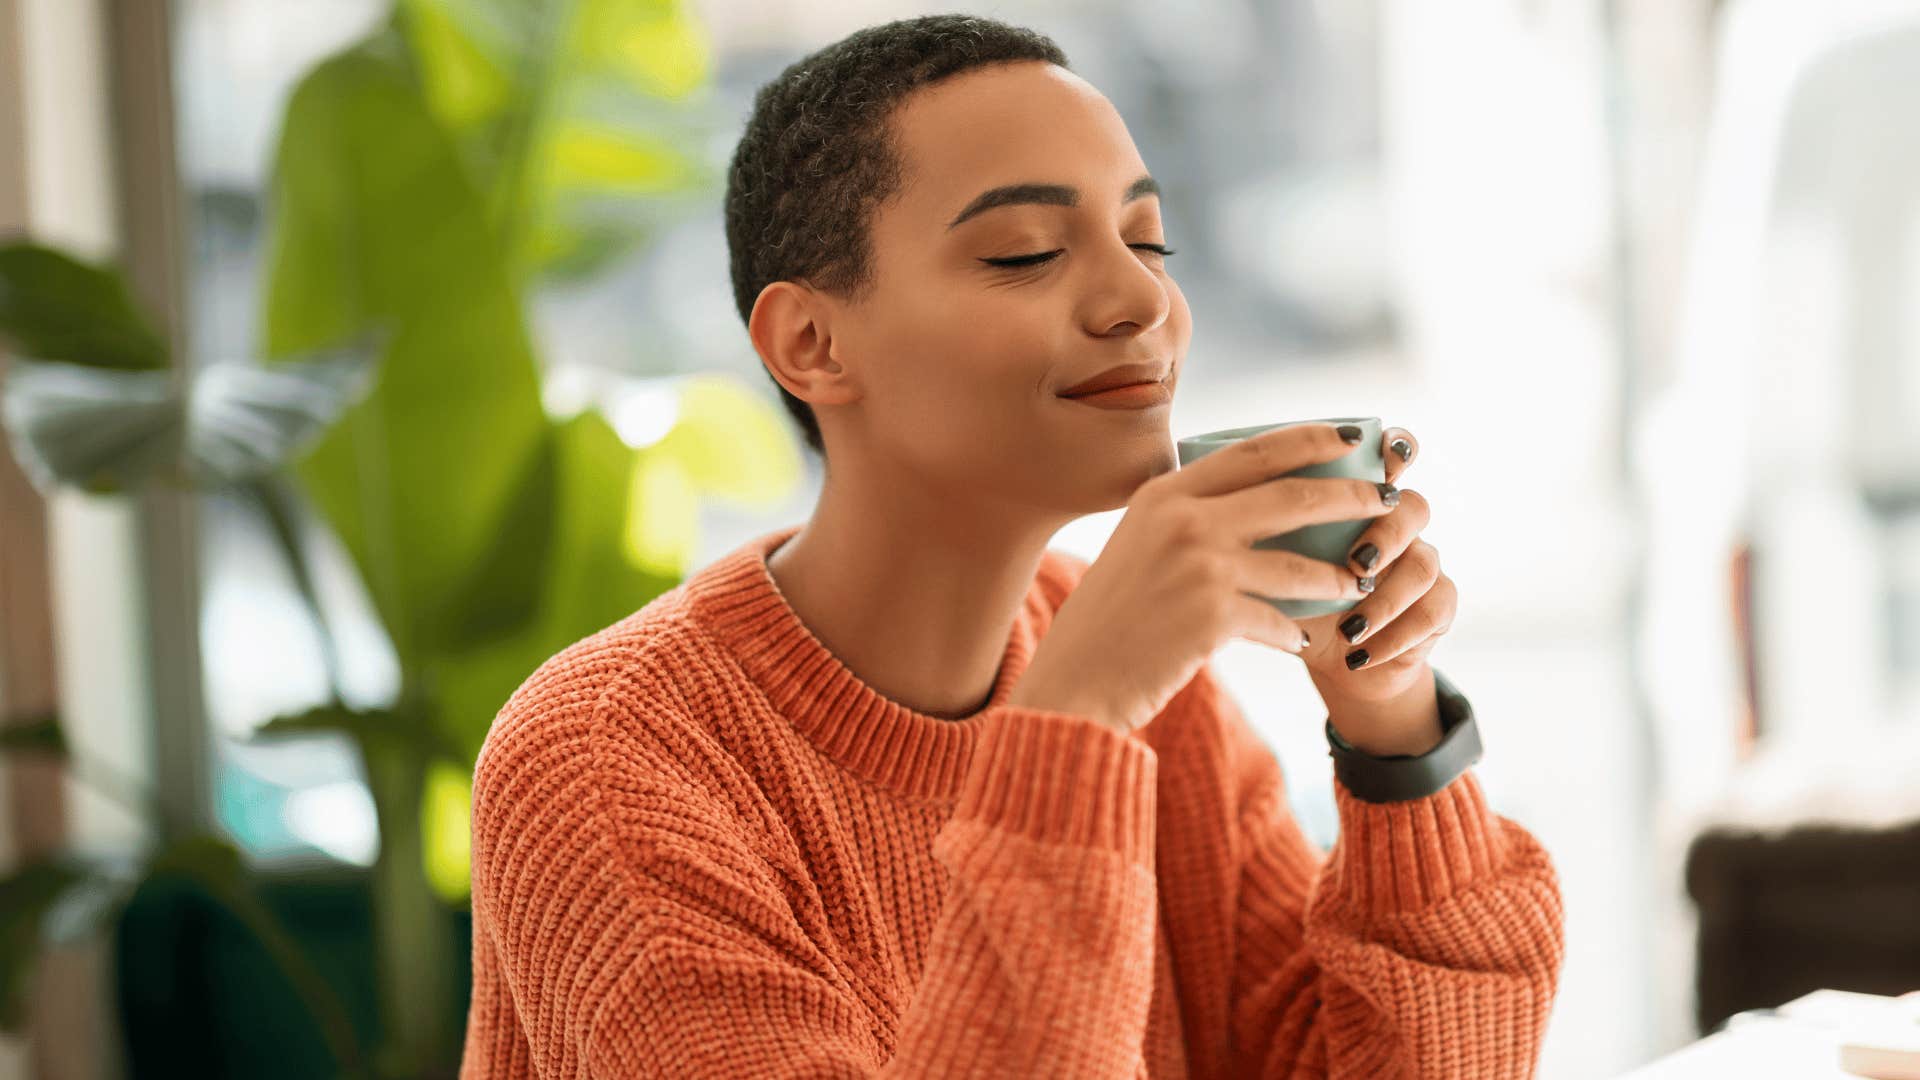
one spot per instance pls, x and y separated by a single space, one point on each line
601 693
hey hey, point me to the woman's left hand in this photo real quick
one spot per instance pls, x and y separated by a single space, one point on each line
1411 606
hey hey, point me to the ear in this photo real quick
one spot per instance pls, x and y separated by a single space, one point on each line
791 328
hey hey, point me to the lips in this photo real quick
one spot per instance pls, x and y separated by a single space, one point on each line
1123 375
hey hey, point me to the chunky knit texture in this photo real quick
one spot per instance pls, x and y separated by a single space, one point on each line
703 847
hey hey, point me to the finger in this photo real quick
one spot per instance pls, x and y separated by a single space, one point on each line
1411 656
1257 458
1399 447
1290 502
1416 624
1376 622
1385 539
1289 575
1257 620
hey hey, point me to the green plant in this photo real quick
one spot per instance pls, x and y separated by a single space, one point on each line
430 179
426 182
99 408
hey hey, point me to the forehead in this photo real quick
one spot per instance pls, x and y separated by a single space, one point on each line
1006 124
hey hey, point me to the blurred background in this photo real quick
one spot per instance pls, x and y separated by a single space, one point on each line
360 354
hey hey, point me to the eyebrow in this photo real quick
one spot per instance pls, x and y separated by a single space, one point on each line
1046 194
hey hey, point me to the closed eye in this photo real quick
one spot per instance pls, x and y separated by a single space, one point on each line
1037 259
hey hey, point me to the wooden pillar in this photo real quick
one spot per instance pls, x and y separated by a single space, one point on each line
32 796
87 164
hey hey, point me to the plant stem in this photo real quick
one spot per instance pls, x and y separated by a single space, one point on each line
322 1003
277 504
411 930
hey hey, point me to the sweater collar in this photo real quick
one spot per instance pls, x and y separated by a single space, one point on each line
914 753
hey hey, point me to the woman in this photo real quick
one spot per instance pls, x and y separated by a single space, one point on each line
904 792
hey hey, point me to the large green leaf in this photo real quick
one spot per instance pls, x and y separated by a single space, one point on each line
38 734
55 307
375 223
581 119
589 579
26 895
115 431
625 529
394 731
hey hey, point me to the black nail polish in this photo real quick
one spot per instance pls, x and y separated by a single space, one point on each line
1389 494
1356 658
1366 555
1353 626
1366 583
1403 448
1350 434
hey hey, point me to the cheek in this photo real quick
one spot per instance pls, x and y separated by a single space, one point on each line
970 395
972 352
1179 318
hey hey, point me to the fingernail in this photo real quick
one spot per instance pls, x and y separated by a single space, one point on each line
1366 583
1356 658
1403 448
1366 555
1353 626
1389 494
1350 434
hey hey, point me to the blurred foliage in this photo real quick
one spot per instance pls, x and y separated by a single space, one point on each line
115 425
94 404
65 896
578 121
426 180
54 307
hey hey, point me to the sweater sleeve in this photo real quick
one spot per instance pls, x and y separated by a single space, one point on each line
632 924
1427 943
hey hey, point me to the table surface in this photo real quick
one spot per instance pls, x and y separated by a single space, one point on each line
1759 1049
1800 1040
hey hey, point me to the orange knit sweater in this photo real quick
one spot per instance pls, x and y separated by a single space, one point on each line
703 847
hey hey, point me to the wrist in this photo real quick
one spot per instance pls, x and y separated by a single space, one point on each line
1400 777
1406 723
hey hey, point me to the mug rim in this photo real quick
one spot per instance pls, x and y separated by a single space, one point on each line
1239 433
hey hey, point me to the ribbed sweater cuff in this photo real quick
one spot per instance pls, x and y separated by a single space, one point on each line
1062 778
1402 856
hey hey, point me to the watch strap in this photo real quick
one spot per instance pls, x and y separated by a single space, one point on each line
1401 777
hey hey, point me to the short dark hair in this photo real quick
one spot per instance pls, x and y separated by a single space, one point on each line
817 156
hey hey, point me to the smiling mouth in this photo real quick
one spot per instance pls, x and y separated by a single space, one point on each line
1117 386
1140 395
1167 381
1119 376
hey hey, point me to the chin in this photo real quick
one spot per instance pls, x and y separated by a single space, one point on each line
1134 470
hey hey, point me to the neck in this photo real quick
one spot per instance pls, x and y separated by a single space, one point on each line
914 597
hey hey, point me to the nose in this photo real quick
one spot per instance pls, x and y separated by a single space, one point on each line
1128 296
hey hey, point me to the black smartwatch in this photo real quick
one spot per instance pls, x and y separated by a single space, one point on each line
1400 777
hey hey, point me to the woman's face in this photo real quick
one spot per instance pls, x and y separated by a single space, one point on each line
959 363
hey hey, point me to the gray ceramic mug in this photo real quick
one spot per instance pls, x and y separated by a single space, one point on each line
1327 540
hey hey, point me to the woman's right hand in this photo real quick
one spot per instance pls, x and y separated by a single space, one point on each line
1174 582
